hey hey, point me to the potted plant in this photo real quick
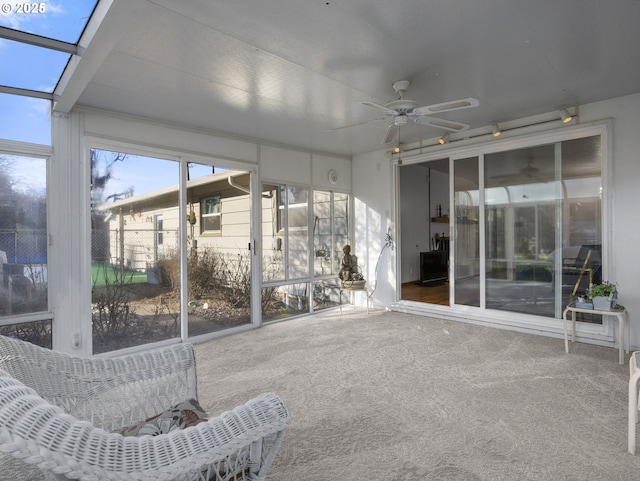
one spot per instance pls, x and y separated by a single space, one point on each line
603 295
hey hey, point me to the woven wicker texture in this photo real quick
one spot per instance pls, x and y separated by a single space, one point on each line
57 412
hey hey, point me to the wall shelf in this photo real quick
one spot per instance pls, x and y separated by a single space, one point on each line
442 220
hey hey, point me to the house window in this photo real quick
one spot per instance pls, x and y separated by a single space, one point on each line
159 227
211 216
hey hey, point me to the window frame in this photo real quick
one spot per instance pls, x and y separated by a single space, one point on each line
203 215
45 152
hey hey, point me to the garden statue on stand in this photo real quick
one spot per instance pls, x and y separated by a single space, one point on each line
349 275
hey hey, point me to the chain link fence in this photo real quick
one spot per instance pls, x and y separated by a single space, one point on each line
23 256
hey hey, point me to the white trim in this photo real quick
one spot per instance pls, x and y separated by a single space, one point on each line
102 33
26 149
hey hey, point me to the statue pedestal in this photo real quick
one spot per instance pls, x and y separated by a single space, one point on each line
356 285
352 287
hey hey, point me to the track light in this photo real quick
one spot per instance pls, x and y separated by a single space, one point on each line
496 130
444 139
565 116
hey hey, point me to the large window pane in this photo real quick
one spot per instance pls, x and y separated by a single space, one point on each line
281 302
272 233
330 231
38 332
23 235
544 234
290 288
298 231
285 232
522 225
134 250
219 262
466 245
581 252
25 119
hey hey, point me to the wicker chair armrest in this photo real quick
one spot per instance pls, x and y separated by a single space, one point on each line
145 364
40 433
157 361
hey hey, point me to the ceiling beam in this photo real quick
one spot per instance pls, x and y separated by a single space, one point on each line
105 28
38 41
5 89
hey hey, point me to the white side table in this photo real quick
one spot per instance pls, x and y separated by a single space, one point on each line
354 289
621 314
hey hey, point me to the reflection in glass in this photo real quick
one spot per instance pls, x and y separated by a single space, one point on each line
23 235
521 229
539 228
285 232
297 205
466 245
330 231
219 261
135 269
281 302
272 233
37 332
326 293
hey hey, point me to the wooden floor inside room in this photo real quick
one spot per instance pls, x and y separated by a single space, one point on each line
438 294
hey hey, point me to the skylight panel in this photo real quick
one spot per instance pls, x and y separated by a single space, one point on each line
30 67
37 41
25 119
60 20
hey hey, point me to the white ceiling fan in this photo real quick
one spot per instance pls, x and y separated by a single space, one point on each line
402 110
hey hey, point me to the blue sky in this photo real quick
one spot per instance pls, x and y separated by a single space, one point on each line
25 66
28 119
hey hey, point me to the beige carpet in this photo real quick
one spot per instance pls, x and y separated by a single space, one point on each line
392 397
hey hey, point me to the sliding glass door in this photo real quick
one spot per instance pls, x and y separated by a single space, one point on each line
466 243
169 251
528 226
523 200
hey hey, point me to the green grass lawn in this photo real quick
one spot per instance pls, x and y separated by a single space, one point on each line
103 273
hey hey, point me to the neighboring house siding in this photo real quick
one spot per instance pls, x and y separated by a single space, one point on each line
139 244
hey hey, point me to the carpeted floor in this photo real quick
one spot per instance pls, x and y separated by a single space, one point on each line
390 396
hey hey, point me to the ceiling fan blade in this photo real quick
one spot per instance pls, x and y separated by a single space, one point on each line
447 106
355 125
442 124
392 131
376 106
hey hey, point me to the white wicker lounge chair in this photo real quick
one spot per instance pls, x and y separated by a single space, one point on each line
59 412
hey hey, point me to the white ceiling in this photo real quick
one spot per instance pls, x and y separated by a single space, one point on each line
287 71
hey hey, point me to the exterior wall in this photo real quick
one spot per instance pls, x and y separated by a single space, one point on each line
140 233
624 178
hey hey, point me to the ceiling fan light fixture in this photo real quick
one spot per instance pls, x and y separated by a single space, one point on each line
565 116
444 139
495 130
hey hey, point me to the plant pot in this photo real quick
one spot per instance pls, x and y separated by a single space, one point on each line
602 303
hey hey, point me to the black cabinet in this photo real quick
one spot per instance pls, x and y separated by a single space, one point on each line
434 267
